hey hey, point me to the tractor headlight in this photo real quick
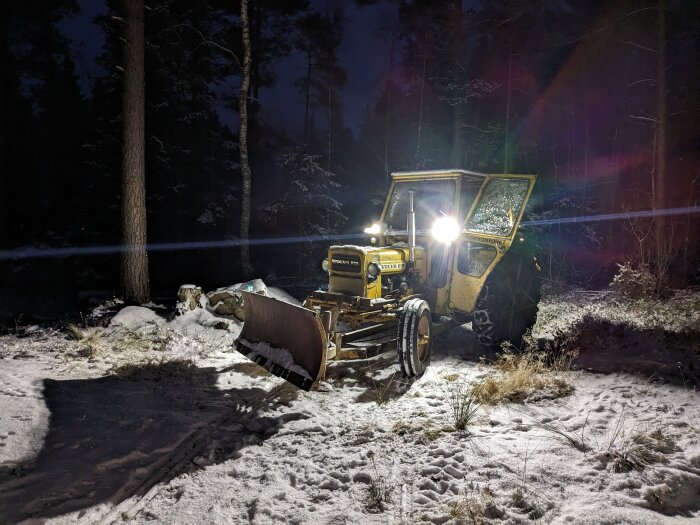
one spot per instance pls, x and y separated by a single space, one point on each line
446 229
324 265
375 229
373 270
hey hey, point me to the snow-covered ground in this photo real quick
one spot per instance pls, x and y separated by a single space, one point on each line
155 421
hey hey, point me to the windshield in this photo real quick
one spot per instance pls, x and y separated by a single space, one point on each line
499 206
431 199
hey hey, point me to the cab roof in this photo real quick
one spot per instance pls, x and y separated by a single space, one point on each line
434 174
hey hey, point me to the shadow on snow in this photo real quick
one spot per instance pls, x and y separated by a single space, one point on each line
113 437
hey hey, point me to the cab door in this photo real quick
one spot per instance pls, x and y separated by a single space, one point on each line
489 230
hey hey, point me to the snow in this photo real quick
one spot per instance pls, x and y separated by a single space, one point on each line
136 318
185 430
278 356
255 286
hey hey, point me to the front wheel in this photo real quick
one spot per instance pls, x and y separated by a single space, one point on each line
414 342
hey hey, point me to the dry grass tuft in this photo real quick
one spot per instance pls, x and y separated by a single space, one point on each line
524 375
464 404
432 434
579 441
90 340
402 428
423 432
635 450
379 491
521 500
476 508
130 340
623 448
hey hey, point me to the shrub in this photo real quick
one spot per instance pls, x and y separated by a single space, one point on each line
635 282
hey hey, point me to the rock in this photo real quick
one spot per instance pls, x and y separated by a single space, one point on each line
229 300
188 298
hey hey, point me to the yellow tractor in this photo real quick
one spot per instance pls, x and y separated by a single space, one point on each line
446 246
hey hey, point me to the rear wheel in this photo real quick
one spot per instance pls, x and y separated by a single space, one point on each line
414 342
507 305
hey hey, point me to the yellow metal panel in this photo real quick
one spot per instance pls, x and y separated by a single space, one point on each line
465 289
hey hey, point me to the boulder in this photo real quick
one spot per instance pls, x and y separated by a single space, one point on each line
229 300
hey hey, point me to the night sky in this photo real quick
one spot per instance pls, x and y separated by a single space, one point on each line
363 55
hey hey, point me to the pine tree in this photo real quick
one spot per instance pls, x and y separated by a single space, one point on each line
134 262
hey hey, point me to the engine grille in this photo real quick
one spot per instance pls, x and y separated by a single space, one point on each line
346 263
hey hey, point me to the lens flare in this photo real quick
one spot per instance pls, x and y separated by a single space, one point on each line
613 216
43 253
449 227
445 229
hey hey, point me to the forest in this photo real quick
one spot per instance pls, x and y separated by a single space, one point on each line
349 262
599 100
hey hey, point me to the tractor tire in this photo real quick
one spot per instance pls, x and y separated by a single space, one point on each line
414 342
507 305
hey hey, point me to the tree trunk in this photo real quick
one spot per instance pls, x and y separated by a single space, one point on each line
134 258
659 198
387 114
330 122
4 128
254 91
419 163
506 144
307 97
243 142
458 108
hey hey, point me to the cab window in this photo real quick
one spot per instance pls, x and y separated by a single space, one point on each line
499 207
431 199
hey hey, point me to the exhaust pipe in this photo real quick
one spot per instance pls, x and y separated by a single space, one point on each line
411 227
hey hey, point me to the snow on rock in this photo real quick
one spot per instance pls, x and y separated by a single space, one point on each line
189 297
136 318
254 286
229 299
201 320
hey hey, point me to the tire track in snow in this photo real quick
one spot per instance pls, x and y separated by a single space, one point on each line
171 465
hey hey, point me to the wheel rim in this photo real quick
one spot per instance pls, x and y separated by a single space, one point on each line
423 337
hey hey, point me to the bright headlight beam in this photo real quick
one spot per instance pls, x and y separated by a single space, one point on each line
375 229
446 229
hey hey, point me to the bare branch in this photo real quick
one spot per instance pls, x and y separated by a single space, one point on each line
652 80
217 45
640 46
649 119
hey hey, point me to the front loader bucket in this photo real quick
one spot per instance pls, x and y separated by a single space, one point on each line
287 340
